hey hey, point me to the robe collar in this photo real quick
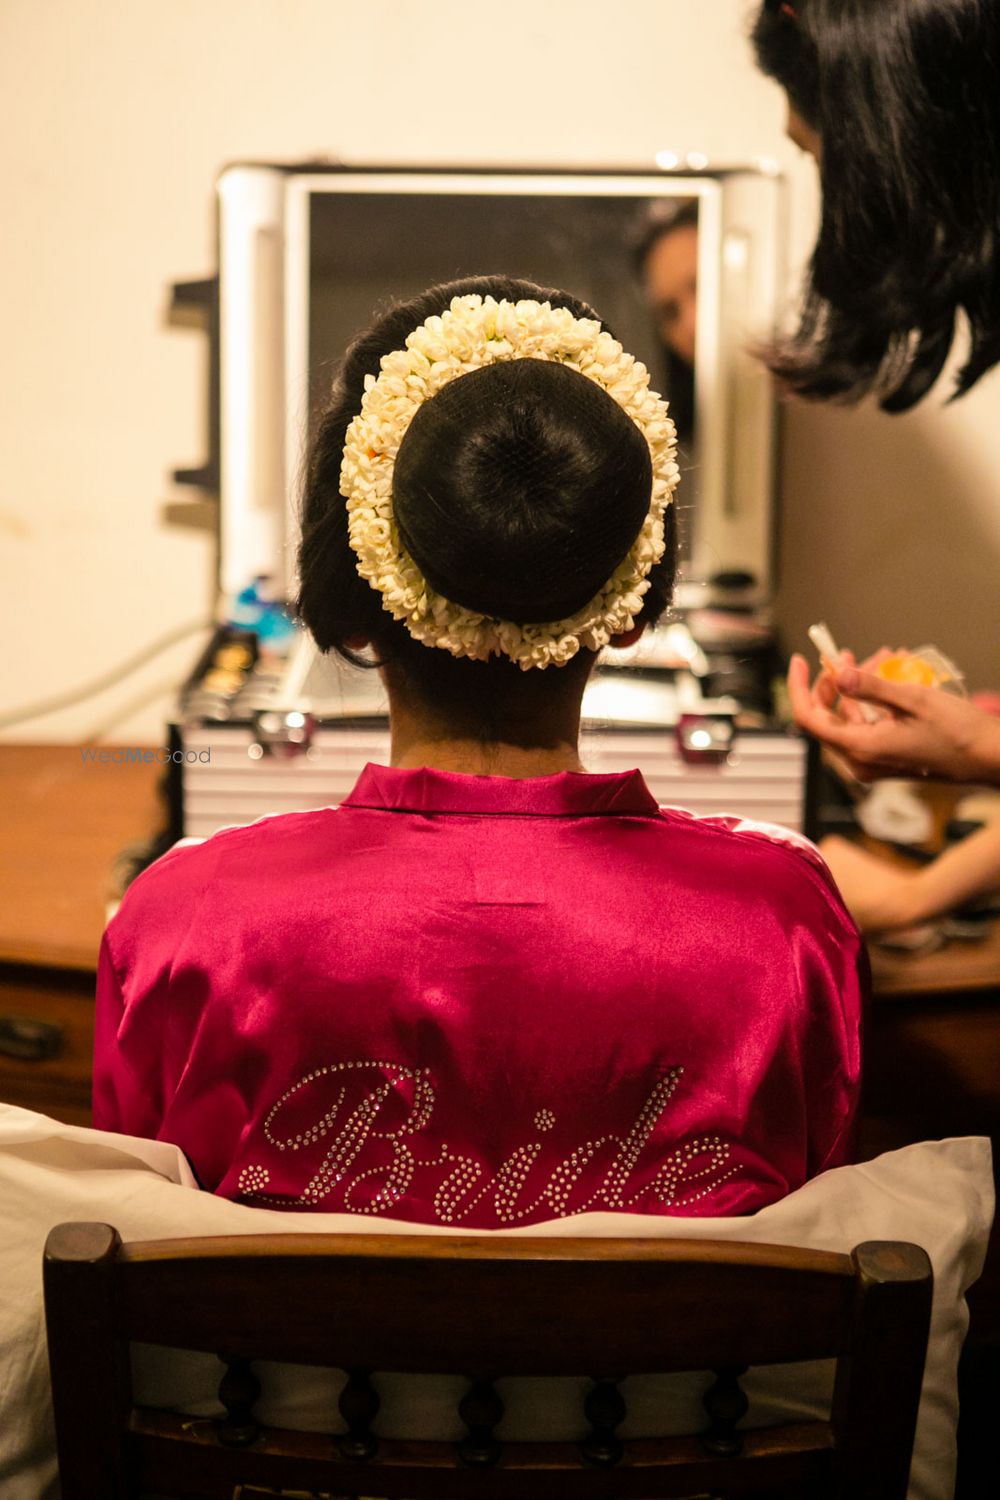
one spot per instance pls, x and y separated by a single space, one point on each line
566 794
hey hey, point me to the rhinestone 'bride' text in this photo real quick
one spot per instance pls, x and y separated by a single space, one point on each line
371 1116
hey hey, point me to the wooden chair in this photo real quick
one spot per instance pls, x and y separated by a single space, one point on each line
483 1307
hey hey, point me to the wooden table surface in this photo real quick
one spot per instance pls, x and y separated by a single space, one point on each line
960 965
64 821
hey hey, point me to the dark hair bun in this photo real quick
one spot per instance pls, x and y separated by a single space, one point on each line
520 488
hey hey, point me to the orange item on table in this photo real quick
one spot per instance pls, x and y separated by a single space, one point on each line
902 667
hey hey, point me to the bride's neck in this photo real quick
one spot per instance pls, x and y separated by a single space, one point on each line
422 739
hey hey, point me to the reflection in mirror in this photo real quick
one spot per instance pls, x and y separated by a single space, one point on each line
666 261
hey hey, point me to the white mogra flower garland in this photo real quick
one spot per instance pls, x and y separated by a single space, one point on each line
473 332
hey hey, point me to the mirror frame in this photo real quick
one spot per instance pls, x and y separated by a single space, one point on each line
264 225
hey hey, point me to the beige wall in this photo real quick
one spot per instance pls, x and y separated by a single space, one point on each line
123 110
890 527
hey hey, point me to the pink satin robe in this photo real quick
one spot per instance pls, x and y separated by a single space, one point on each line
479 1002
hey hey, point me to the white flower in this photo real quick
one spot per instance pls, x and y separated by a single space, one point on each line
476 331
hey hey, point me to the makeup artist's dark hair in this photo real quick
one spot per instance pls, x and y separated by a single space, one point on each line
518 489
905 96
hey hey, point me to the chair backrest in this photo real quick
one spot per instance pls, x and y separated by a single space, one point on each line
483 1308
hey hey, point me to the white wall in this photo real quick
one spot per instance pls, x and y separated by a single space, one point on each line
122 112
891 527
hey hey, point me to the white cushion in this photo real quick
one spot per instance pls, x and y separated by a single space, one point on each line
938 1194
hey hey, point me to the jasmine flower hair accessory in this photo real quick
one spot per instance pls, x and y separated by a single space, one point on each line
474 332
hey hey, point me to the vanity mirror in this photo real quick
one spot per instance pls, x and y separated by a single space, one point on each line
684 267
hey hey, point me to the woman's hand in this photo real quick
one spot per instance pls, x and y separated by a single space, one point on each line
924 731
